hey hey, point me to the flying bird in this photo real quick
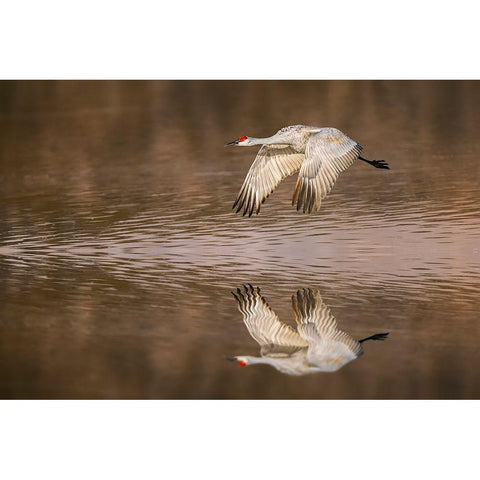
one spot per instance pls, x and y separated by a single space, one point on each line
318 154
316 345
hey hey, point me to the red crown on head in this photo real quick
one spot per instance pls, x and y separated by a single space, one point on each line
242 139
241 363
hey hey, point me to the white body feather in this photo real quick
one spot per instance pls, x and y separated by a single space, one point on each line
318 154
317 345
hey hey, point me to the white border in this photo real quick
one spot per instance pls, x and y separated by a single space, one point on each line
238 440
281 40
252 39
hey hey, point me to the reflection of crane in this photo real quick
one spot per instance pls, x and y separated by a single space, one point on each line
320 154
317 345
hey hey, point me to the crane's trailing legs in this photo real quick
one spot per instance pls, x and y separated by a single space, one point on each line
377 336
319 155
376 163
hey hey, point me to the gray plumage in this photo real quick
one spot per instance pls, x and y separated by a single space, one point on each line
319 155
316 345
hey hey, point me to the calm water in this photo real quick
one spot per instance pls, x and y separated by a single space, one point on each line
119 250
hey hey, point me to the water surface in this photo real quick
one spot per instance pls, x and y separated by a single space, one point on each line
119 250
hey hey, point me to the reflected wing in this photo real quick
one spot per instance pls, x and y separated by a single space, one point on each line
328 153
280 351
271 165
264 325
316 322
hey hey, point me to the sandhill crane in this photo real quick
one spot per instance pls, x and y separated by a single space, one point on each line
316 345
318 154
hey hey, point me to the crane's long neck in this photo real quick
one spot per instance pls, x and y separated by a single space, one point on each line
292 365
274 362
267 140
253 360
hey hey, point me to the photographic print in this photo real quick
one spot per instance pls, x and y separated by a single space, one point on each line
214 239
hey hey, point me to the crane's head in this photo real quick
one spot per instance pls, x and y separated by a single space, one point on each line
240 141
241 361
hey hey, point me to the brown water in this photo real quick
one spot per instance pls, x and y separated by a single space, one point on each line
118 247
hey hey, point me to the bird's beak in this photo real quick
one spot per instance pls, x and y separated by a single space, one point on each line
235 142
231 359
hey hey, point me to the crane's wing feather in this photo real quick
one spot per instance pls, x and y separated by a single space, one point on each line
271 165
328 153
316 322
263 323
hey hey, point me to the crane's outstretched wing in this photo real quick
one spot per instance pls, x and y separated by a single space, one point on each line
271 165
317 325
328 153
275 337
